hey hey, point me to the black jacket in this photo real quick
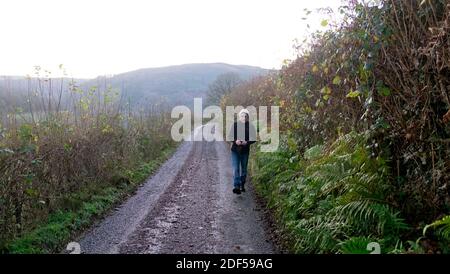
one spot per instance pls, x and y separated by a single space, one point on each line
234 135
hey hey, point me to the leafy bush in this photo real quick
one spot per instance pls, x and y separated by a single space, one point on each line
383 69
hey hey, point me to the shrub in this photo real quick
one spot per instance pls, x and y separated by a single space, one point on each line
56 158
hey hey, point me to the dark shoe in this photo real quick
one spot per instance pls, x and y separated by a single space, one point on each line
242 188
242 184
236 190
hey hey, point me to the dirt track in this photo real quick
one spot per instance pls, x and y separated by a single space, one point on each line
186 207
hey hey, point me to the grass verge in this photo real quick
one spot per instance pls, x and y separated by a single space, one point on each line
91 204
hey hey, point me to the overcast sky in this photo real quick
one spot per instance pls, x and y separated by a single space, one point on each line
93 37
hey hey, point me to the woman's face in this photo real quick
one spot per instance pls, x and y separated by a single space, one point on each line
243 117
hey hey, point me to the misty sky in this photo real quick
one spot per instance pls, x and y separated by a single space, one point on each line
93 37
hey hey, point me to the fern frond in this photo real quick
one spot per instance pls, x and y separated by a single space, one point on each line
367 214
443 226
355 245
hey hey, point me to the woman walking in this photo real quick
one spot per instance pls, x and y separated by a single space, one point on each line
241 136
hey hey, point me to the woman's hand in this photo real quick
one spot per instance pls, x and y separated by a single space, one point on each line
241 143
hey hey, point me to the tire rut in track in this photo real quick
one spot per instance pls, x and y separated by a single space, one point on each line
183 219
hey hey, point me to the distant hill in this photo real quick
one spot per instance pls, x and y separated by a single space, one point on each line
174 84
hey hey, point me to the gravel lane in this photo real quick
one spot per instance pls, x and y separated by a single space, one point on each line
105 236
186 207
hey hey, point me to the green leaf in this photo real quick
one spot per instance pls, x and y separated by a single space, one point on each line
385 91
36 162
325 90
381 123
67 147
353 94
337 80
319 103
324 23
355 245
313 153
31 192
